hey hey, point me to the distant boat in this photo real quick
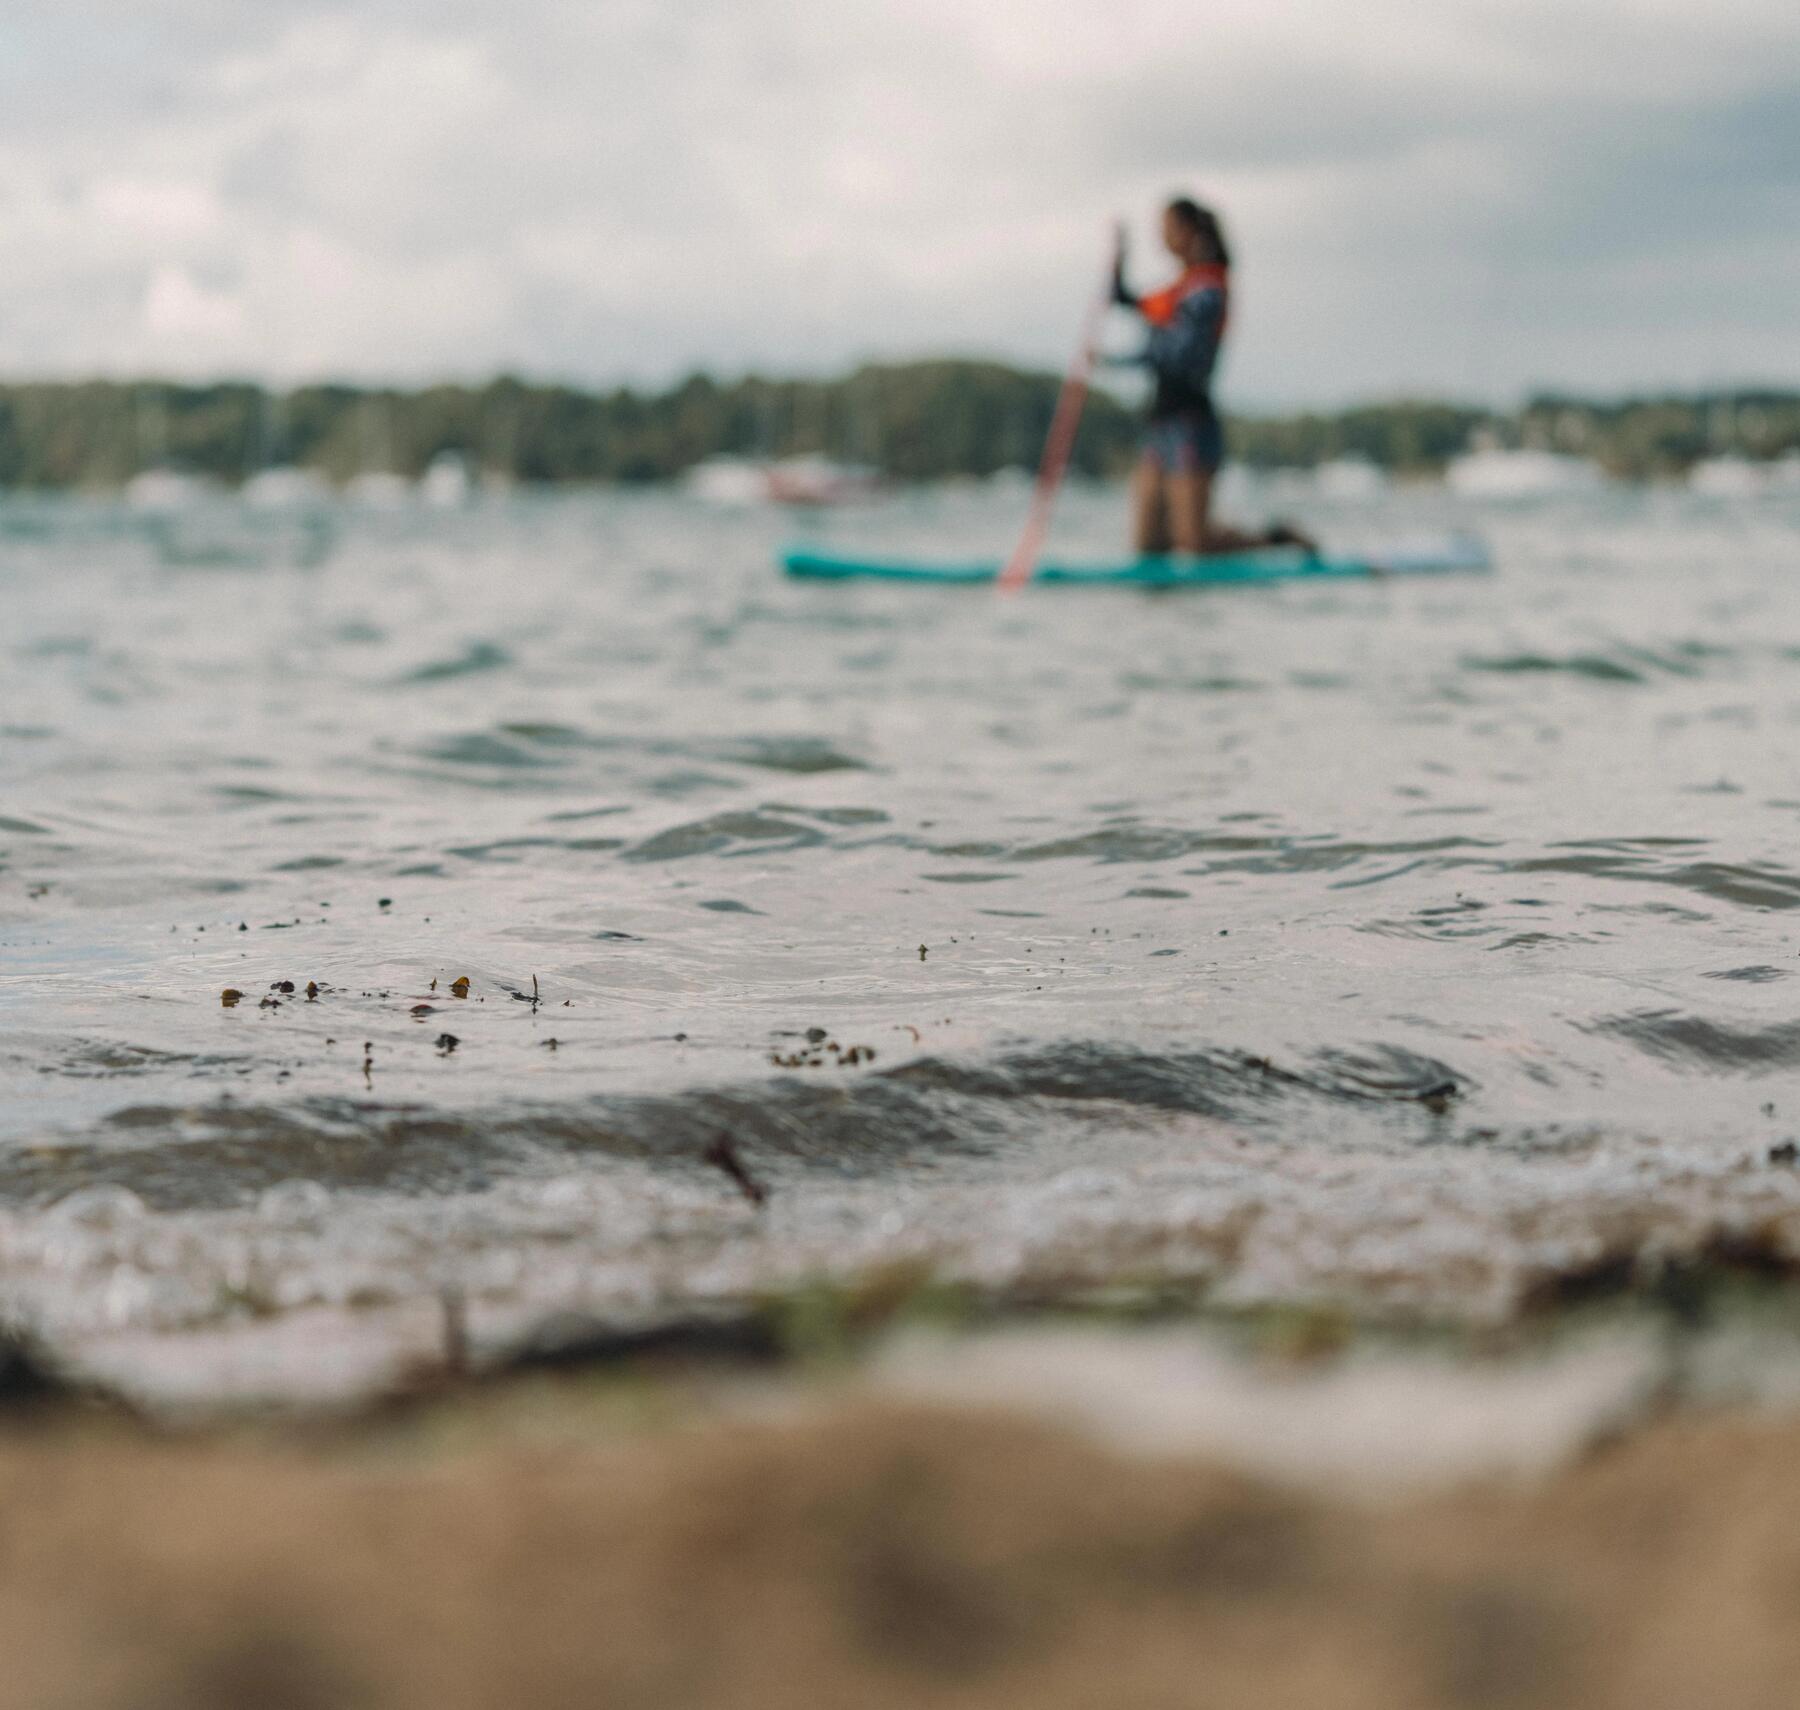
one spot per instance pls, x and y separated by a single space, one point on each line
166 490
819 481
1349 478
1729 478
286 488
1492 473
811 480
378 489
729 481
447 481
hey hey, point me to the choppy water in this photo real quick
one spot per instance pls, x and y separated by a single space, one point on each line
1410 943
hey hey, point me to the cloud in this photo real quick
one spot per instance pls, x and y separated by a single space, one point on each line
180 308
1464 196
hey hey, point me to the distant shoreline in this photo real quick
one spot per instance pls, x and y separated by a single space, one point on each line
917 421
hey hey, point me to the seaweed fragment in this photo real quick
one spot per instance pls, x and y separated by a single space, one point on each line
723 1154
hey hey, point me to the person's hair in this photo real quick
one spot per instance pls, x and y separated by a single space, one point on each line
1205 223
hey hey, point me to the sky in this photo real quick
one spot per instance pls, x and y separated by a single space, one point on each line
1469 198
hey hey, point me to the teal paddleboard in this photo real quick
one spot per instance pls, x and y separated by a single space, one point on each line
1268 564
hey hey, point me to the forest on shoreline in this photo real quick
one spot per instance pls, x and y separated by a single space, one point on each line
916 421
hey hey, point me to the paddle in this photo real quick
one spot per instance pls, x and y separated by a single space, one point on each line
1059 444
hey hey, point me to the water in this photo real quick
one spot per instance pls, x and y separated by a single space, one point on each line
1414 944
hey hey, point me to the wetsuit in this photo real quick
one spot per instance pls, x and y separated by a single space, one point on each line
1184 435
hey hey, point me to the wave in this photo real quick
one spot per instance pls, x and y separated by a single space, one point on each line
917 1114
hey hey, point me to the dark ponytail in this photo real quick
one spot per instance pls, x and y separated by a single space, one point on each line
1204 223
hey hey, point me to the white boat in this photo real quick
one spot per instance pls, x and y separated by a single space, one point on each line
1729 478
378 490
1493 473
809 480
166 490
820 481
447 481
286 488
1349 478
729 481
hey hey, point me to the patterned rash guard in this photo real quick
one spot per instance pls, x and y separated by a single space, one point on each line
1187 325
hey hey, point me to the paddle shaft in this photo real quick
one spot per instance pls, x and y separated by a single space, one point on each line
1057 448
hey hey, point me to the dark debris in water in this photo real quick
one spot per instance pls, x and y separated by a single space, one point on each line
723 1155
821 1051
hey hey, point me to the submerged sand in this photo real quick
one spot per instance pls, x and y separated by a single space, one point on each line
873 1555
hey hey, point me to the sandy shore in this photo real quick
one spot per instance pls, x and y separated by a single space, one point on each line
562 1544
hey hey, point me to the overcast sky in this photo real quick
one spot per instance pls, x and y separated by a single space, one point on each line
1452 196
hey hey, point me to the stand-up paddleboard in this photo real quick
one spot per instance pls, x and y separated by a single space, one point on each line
1266 564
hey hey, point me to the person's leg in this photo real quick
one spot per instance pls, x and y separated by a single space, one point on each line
1195 446
1192 530
1189 501
1195 461
1150 524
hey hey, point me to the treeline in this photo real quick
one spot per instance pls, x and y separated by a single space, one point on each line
1635 438
917 422
1647 437
914 421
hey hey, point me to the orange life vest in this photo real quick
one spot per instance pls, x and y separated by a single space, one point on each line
1159 307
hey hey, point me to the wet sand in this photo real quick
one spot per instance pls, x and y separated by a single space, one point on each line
563 1545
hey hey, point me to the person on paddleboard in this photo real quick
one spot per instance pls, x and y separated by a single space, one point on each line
1184 440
